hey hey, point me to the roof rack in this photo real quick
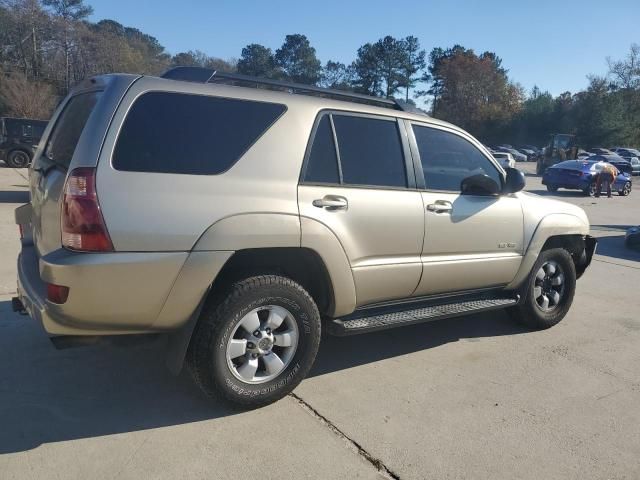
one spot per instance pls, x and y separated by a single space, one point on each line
209 75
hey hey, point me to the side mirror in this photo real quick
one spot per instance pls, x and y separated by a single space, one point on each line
515 181
479 184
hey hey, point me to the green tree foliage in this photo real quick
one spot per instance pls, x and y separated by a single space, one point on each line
257 60
337 75
386 66
196 58
414 64
297 60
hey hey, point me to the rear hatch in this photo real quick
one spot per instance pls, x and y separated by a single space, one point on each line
73 139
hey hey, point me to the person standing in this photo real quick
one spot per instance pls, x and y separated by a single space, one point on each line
607 175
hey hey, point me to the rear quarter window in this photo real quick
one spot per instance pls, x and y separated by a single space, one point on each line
190 134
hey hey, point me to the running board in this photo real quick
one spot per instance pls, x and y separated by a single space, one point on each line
360 322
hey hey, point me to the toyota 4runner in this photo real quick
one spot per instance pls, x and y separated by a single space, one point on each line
243 217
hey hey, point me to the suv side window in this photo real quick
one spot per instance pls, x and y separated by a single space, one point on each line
447 159
190 134
370 151
322 166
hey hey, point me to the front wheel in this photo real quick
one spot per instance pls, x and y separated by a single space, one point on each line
591 189
549 291
18 159
552 188
626 190
257 343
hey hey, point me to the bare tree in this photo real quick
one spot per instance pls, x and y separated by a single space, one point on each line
26 98
626 72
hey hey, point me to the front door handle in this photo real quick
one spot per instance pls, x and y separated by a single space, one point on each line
440 206
331 202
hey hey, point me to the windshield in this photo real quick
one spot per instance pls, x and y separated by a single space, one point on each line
563 141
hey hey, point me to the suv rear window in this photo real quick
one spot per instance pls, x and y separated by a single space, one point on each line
68 128
190 134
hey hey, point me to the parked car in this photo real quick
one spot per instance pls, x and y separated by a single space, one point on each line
518 157
534 148
581 175
620 163
632 156
530 154
600 151
505 159
627 153
18 137
242 222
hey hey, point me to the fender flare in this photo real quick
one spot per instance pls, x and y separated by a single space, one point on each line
552 225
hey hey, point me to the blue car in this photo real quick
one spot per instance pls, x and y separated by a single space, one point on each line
581 175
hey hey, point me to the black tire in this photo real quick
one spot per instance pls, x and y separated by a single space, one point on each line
18 159
529 312
626 190
591 189
207 357
552 188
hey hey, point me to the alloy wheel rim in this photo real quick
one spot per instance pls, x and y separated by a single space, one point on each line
549 285
627 188
262 344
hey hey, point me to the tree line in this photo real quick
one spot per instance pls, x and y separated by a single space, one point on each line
47 46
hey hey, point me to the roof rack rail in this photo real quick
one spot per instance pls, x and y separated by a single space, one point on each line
209 75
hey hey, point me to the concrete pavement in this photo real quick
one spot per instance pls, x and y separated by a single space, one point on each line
474 397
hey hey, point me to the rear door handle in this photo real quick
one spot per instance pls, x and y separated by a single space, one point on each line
331 202
440 206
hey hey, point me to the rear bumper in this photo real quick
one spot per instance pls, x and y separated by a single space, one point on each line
111 293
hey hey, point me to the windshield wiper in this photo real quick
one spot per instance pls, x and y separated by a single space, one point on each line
45 170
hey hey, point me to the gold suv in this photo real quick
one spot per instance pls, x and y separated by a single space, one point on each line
242 217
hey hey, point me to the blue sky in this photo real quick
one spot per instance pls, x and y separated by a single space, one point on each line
552 44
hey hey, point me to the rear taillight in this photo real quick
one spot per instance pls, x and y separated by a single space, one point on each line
82 224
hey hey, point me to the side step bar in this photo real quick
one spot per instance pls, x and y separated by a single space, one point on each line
360 322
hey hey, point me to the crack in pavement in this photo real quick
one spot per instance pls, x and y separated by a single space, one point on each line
376 462
616 264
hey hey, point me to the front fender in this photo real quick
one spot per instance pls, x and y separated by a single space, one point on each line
552 225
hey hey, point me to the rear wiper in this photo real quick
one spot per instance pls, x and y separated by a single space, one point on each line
45 170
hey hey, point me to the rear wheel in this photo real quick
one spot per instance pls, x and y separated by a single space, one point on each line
626 189
549 291
18 159
257 343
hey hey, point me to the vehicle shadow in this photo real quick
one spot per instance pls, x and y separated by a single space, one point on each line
613 246
14 197
339 353
49 395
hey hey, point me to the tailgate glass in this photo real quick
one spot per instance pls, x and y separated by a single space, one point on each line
66 132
